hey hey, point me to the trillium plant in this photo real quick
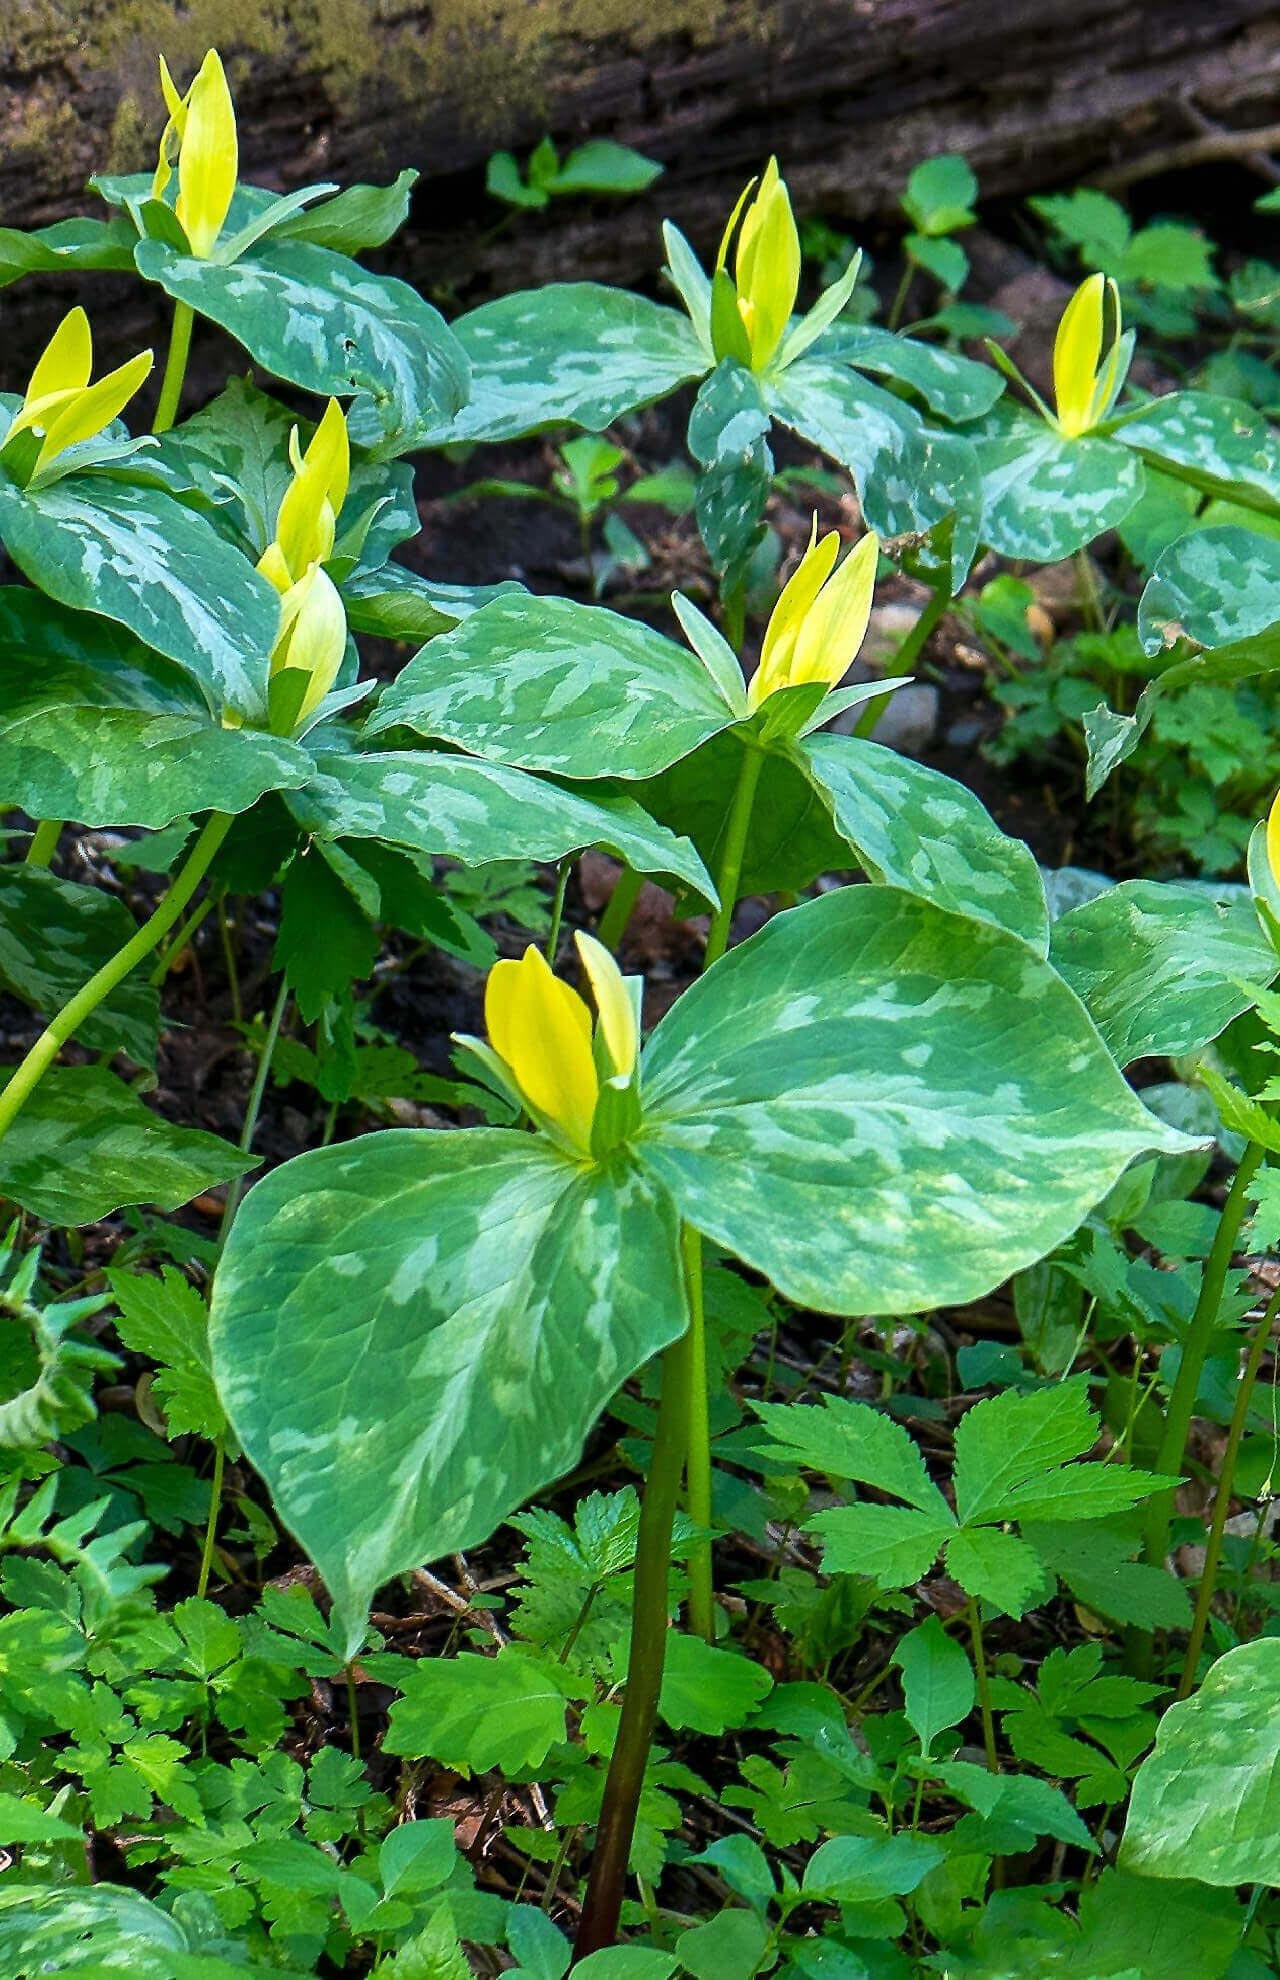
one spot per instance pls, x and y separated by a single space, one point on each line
896 1096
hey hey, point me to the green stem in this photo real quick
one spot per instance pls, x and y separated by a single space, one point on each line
1226 1488
254 1108
702 1614
733 614
910 649
1171 1456
619 909
178 942
899 302
602 1906
32 1069
557 910
229 960
1090 600
175 369
215 1507
353 1713
44 842
735 845
984 1687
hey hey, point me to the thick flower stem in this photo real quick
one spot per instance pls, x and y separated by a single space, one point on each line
31 1070
602 1906
618 909
44 842
1171 1456
1226 1488
729 878
175 369
702 1615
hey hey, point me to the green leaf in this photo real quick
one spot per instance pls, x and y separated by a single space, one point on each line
461 808
84 1145
1206 1803
575 352
327 939
603 166
908 477
396 603
54 935
706 1690
1159 1931
945 260
1218 587
163 1317
1161 968
547 684
864 1869
1032 1805
626 1963
503 1295
24 1822
1221 445
67 244
915 828
322 322
729 1946
940 194
1045 495
1008 1439
948 383
937 1681
359 217
1097 1565
880 1150
792 837
417 1856
894 1546
998 1568
1089 220
471 1713
845 1439
136 556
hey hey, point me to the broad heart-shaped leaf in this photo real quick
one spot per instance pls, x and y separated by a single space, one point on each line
134 555
414 1331
1206 1803
1218 587
908 477
1044 495
321 321
884 1107
53 936
1219 444
96 728
827 802
573 351
85 1145
464 808
1162 969
949 384
547 684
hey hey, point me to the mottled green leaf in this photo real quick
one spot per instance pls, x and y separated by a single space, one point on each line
548 684
321 321
135 555
1045 495
949 384
1206 1803
84 1145
357 218
396 603
54 934
1161 968
414 1331
1217 587
572 351
463 808
940 1059
1221 445
67 244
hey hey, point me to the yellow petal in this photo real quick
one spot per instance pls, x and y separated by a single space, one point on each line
617 1013
85 413
768 266
274 567
1273 839
330 449
175 102
836 627
1077 351
788 615
61 371
1104 389
722 255
307 520
209 158
312 636
541 1029
171 136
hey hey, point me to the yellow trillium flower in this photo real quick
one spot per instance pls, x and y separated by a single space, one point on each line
820 620
1273 839
766 266
202 131
541 1030
312 635
307 520
59 401
1086 383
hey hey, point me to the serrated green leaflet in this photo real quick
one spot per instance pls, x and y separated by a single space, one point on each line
53 936
475 811
547 684
574 351
413 1332
1044 495
323 322
1162 969
1206 1804
85 1144
951 1067
133 554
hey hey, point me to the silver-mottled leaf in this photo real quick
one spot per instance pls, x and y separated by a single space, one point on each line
54 934
1044 495
1220 444
1217 587
949 384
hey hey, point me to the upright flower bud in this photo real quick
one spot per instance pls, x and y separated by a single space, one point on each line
60 404
1087 381
202 132
751 310
819 622
546 1046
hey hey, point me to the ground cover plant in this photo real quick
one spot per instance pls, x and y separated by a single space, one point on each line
755 1465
